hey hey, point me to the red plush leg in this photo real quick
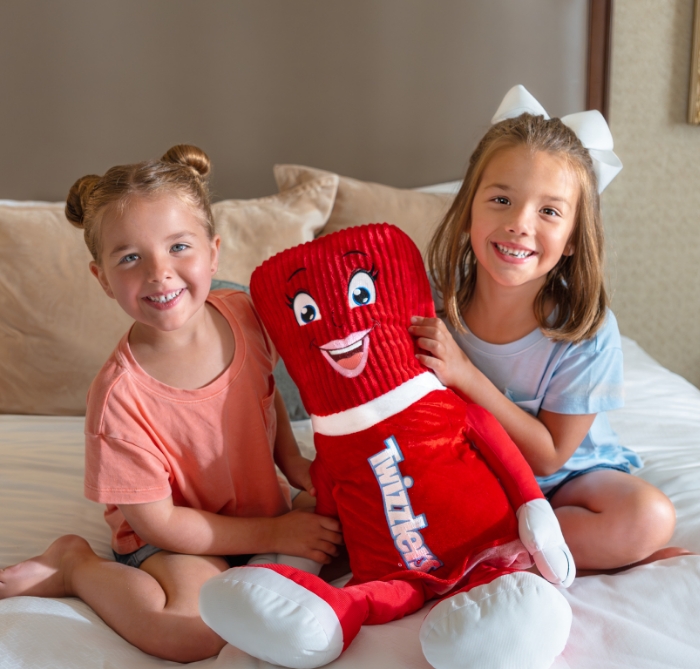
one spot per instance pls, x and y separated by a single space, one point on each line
389 600
373 603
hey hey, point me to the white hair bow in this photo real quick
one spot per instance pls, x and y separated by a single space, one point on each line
590 127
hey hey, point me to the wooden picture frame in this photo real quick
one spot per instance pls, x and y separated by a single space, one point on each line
694 97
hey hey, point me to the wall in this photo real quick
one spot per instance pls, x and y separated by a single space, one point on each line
395 91
652 209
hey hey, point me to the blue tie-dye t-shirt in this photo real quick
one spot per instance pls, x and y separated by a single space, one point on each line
586 378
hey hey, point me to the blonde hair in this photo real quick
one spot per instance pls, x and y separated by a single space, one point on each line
576 284
182 171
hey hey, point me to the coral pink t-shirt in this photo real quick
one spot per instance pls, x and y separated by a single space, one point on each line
210 448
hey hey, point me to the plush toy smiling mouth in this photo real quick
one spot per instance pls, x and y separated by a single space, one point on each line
348 356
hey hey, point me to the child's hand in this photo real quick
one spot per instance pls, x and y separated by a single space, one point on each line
443 355
296 469
306 534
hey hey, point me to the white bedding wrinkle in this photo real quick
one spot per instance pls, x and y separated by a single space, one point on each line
645 618
41 487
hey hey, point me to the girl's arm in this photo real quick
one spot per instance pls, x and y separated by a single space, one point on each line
287 455
195 532
546 441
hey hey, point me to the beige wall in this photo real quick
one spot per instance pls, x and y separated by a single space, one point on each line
652 210
395 91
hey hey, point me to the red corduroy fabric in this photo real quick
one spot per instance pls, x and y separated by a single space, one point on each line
323 270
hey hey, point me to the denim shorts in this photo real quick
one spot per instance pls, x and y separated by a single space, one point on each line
139 556
622 467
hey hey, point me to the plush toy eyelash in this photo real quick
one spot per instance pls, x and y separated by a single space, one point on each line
373 272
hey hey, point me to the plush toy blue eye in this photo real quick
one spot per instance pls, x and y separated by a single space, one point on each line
361 290
305 309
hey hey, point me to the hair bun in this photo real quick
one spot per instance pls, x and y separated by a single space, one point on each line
78 197
190 156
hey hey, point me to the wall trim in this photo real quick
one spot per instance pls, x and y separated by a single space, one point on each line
599 56
694 93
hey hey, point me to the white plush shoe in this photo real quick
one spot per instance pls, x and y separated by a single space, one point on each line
271 618
517 621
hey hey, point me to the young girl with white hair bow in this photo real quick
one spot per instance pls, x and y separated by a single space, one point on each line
517 267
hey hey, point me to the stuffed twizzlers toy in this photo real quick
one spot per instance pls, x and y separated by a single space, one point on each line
435 500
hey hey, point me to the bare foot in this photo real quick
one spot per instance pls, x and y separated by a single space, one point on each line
661 554
44 575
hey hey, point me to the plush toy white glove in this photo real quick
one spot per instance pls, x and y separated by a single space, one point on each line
541 535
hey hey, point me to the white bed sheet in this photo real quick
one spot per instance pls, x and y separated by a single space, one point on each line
645 618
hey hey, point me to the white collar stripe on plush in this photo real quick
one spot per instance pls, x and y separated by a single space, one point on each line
590 127
380 408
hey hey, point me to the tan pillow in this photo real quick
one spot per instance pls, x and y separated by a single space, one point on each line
253 230
57 327
359 202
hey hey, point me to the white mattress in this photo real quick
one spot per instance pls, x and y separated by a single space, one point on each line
645 618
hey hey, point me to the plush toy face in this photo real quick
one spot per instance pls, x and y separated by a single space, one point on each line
335 314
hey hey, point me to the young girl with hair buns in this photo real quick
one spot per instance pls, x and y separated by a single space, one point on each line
184 425
517 266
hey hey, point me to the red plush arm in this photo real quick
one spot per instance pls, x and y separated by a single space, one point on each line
325 503
502 455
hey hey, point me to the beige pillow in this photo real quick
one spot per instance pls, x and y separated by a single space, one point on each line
253 230
57 327
359 202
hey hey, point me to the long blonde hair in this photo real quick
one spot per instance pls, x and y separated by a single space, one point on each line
576 285
182 171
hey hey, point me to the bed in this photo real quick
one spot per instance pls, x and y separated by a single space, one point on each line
644 618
